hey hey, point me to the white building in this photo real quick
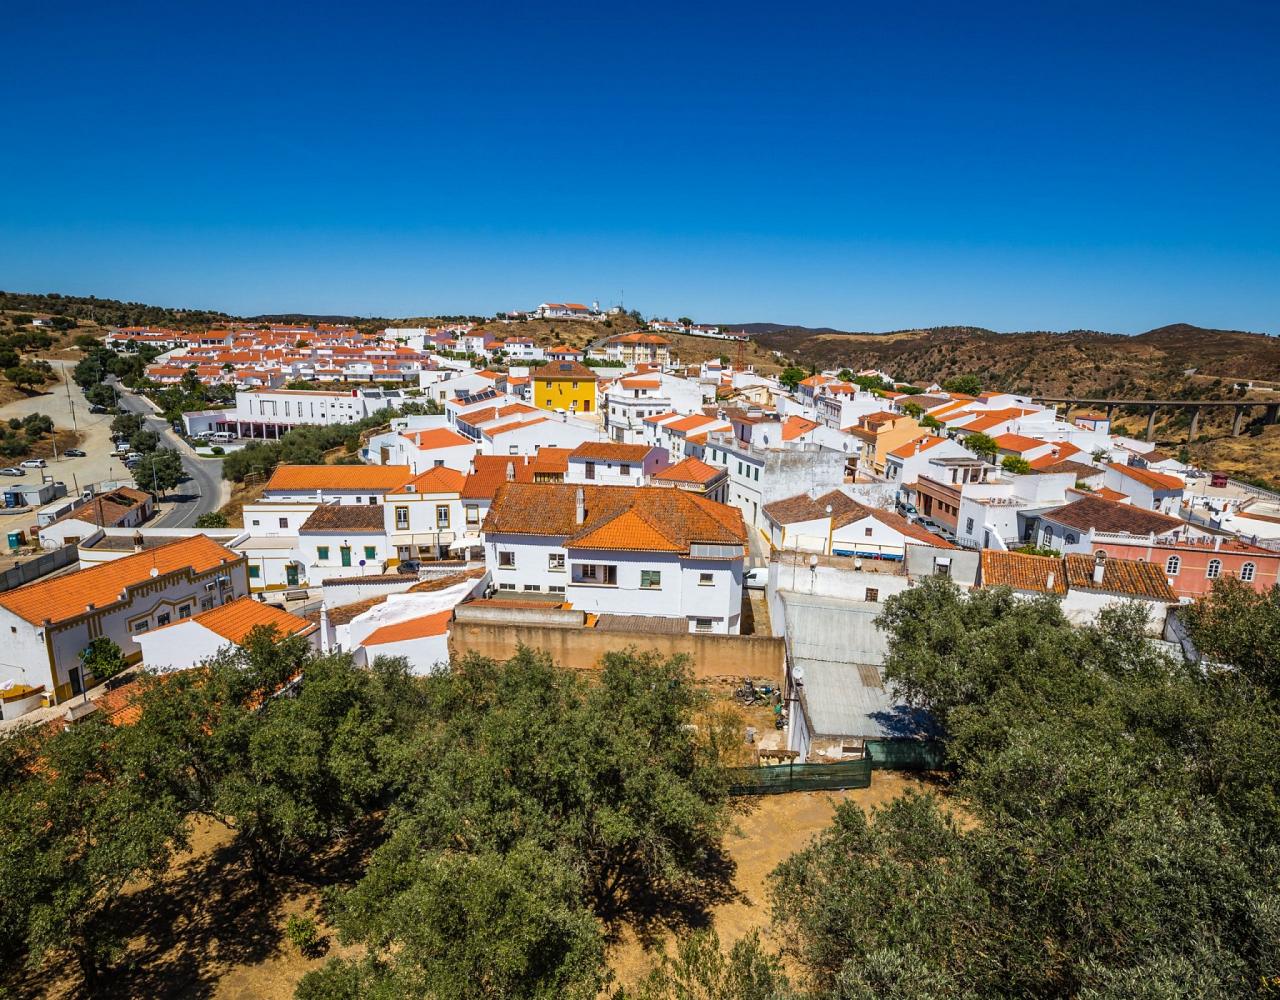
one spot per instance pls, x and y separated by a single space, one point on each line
631 398
184 644
49 623
649 551
425 519
270 413
343 540
609 464
421 443
836 524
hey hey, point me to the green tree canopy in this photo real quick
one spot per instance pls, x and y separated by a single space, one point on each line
981 444
1015 464
966 385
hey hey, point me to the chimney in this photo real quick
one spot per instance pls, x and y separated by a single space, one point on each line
1048 580
511 472
580 505
324 628
137 541
1099 566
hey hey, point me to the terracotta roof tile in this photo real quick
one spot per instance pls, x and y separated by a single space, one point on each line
374 478
690 470
414 628
345 517
641 518
1104 515
609 451
436 437
440 479
64 597
1152 480
236 619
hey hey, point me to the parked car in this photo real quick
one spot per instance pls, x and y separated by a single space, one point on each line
74 453
409 566
11 471
929 524
756 579
98 408
34 463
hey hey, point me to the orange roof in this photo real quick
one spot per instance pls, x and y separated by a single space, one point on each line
691 423
794 427
236 619
691 470
1107 493
609 451
414 628
515 425
993 418
909 449
440 479
644 518
436 437
550 459
339 477
1018 442
640 383
1153 480
490 472
65 597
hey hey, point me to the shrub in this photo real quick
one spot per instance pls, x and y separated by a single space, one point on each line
303 934
217 449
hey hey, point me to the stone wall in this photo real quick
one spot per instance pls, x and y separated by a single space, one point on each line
711 656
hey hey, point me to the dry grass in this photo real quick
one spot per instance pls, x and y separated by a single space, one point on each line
241 494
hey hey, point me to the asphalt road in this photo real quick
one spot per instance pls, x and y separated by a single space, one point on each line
202 490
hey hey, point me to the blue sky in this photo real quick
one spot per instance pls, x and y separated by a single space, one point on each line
1017 166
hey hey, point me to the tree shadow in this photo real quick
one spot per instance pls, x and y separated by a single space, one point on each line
653 908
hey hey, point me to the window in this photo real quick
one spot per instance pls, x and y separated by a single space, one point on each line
1214 570
1247 571
256 522
703 624
532 586
873 594
439 462
606 576
184 611
1048 535
140 626
555 589
284 522
322 552
1069 538
706 580
255 572
968 525
650 579
1172 566
163 618
513 449
442 515
589 471
941 568
866 532
506 560
473 514
373 501
624 469
371 552
206 604
555 562
402 518
506 586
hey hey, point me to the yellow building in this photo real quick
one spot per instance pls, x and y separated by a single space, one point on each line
564 385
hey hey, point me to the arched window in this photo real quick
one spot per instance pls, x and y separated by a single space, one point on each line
1048 535
1214 570
1247 571
1071 538
1172 566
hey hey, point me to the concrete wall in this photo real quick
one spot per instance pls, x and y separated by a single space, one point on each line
711 656
33 569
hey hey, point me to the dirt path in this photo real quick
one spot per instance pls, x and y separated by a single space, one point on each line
776 827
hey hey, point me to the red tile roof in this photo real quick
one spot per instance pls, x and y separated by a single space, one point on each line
690 470
414 628
65 597
608 451
236 619
339 477
1152 480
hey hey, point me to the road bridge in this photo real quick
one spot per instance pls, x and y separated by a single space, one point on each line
1242 407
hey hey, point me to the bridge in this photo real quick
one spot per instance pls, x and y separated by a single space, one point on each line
1242 407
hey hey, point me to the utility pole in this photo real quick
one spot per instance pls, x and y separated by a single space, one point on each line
71 403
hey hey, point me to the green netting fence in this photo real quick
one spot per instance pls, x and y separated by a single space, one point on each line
800 778
906 755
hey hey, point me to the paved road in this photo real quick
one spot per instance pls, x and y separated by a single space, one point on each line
202 491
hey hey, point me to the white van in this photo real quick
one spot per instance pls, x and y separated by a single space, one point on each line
222 436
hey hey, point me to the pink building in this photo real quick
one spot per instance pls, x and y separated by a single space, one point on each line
1192 565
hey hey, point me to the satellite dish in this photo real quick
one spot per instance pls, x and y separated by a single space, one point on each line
797 674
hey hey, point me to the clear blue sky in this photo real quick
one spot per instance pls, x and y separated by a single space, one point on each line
866 166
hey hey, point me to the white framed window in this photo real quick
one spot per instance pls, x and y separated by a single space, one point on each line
402 518
703 624
556 589
1247 572
1214 569
141 625
555 562
533 586
473 514
506 586
206 604
1172 565
184 611
506 560
706 579
650 579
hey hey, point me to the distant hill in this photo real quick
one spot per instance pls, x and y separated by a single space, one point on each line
1079 361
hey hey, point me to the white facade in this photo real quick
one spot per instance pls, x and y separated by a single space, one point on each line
705 592
630 399
612 471
524 435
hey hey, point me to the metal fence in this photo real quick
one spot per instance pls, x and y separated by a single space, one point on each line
800 778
